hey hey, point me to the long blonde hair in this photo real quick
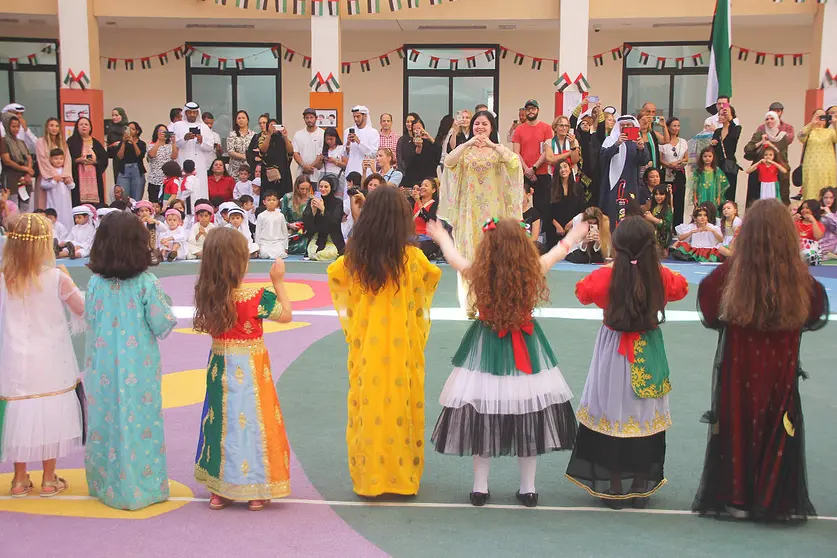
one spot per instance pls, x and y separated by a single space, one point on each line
223 266
604 227
59 143
27 252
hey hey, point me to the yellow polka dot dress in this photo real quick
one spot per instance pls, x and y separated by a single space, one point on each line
386 334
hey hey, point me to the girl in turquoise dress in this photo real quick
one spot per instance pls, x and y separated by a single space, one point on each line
292 206
126 312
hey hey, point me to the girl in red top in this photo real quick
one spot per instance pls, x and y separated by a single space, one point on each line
424 210
221 184
769 168
624 414
807 221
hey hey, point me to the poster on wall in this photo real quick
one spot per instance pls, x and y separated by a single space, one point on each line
326 118
73 112
68 131
571 100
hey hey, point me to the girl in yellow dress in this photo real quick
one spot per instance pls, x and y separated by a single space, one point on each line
382 289
819 164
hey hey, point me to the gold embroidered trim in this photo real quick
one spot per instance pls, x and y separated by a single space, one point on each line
243 294
39 395
276 313
237 346
628 429
639 379
616 496
263 491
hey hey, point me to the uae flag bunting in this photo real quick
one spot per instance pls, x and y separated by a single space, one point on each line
373 6
239 63
354 6
435 2
163 58
661 62
489 55
643 58
275 51
536 63
244 4
111 63
518 58
129 64
384 60
222 63
261 5
471 61
414 55
332 84
434 62
221 2
504 52
299 7
178 53
47 49
598 60
797 59
412 4
13 63
554 65
626 49
289 55
616 53
145 63
188 51
778 59
33 59
743 54
829 78
562 82
364 65
306 62
400 52
697 59
760 57
346 68
394 5
454 63
679 62
317 8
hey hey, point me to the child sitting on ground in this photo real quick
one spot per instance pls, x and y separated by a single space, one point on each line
58 188
81 235
272 229
248 204
173 239
238 222
198 232
697 241
59 231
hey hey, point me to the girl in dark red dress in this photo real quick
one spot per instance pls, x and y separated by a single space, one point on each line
760 300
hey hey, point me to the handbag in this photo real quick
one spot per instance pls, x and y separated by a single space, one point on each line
728 165
273 174
796 175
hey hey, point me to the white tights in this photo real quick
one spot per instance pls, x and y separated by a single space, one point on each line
527 466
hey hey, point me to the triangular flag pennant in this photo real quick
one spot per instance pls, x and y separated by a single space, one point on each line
129 64
239 63
504 52
163 58
471 61
434 62
536 63
111 63
346 68
414 55
697 59
384 60
289 55
489 55
797 59
374 6
400 52
743 54
145 63
454 63
275 51
394 5
13 63
626 49
598 60
679 62
760 56
518 58
616 53
661 62
643 58
33 59
306 62
778 59
188 51
205 59
364 65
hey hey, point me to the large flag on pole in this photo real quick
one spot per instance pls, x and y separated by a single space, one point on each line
719 82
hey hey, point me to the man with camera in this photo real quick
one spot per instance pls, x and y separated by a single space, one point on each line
195 141
362 140
308 146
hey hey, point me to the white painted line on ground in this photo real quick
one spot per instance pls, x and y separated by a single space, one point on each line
431 505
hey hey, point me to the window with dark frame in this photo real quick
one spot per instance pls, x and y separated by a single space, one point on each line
15 76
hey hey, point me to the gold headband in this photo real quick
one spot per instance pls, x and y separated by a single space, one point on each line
28 236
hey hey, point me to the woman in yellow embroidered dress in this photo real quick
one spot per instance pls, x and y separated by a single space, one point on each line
818 163
482 179
382 290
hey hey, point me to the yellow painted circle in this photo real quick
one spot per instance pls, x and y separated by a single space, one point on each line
296 291
76 501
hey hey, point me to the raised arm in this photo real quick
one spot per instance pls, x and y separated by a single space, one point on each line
441 237
560 250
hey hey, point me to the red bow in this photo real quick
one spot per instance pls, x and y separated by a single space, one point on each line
626 344
522 361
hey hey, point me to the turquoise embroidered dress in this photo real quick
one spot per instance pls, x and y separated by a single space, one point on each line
125 457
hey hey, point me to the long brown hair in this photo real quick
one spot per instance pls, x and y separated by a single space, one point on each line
768 287
375 254
507 279
28 250
59 142
603 223
296 198
223 265
636 299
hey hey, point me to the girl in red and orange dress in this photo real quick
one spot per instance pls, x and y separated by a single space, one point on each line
755 457
243 451
623 416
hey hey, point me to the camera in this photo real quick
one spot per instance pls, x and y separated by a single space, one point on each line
826 118
90 157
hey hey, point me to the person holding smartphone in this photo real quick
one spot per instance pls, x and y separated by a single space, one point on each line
362 140
162 150
623 153
195 141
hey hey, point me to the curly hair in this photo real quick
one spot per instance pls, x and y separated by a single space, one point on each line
768 287
507 280
375 254
223 266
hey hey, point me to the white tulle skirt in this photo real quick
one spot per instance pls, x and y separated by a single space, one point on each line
41 428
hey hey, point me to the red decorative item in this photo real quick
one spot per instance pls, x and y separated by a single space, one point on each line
522 360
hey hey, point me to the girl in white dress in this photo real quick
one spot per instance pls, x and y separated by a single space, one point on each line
40 412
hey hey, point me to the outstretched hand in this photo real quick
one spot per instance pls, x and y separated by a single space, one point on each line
577 233
436 230
277 271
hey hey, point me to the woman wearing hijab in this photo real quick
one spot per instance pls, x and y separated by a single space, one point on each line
119 122
322 217
89 160
621 159
18 171
764 136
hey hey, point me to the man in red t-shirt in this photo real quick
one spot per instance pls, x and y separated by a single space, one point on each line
528 141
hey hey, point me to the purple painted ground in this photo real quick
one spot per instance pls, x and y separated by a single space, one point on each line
282 529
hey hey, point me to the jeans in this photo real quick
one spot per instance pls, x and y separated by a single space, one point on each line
132 181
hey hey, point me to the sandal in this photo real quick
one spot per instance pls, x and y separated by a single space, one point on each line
58 486
21 489
256 505
218 503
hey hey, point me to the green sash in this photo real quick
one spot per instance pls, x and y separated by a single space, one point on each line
649 368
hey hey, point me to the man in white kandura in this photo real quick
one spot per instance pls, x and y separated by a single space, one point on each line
195 141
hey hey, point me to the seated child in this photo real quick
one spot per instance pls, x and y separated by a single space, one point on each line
729 223
58 189
145 212
248 204
272 229
237 222
120 195
699 240
180 205
157 211
173 239
59 231
198 232
81 235
244 184
222 218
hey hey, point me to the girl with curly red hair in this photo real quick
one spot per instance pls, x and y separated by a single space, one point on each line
506 395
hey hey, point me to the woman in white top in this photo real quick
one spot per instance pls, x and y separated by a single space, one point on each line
162 149
674 156
384 161
336 158
238 141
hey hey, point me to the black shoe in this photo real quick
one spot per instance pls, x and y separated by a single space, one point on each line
612 503
529 499
71 250
55 247
479 499
639 503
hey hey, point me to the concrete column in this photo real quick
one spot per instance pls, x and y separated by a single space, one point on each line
325 63
823 59
78 33
572 54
